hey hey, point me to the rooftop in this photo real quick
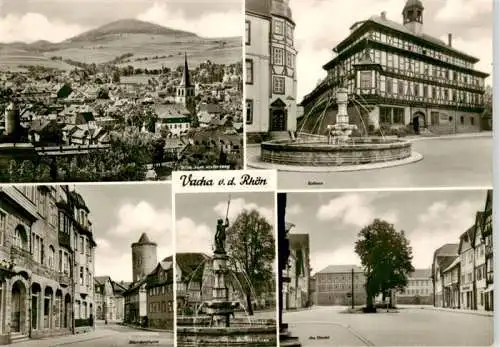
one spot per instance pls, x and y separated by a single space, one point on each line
340 269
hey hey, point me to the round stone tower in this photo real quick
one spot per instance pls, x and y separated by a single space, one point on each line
12 119
144 258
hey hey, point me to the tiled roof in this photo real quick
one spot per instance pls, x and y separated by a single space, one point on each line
341 269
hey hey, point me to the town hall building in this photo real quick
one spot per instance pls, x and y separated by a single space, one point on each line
271 75
399 76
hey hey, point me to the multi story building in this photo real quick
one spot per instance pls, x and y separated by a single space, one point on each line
84 263
442 259
463 273
109 300
160 298
397 76
418 291
467 275
40 228
271 74
334 285
296 292
488 253
451 285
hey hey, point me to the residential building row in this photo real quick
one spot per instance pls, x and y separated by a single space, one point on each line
47 260
462 273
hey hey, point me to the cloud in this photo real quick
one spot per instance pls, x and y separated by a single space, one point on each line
463 10
239 205
131 221
294 210
441 223
192 237
213 24
354 209
32 27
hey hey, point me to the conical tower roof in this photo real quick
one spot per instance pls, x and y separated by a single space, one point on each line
143 240
186 80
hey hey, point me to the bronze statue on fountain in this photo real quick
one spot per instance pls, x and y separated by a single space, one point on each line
220 236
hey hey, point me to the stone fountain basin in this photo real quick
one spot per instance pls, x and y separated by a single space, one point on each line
235 336
318 152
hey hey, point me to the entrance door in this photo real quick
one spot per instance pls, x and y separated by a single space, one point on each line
278 120
278 115
418 122
18 307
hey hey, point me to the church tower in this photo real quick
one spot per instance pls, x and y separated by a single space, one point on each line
413 16
185 90
144 258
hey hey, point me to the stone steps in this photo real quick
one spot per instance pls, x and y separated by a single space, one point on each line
18 337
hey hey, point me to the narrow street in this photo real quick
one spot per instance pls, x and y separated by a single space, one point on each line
111 335
412 326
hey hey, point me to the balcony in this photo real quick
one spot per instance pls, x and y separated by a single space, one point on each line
489 277
64 279
22 258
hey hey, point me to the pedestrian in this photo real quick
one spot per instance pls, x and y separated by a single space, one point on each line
91 320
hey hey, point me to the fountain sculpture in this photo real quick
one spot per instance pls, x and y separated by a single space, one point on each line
218 325
337 151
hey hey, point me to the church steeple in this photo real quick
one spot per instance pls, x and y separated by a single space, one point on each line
186 80
413 16
185 91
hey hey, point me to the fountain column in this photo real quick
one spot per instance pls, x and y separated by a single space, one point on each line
221 308
341 131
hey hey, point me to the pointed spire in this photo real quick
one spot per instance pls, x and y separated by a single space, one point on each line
144 239
186 81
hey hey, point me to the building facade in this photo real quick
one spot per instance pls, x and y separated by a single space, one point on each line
160 297
418 291
463 273
334 285
399 76
442 259
39 262
467 275
270 62
109 300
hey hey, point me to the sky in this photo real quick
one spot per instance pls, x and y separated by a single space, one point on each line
120 214
430 219
197 214
57 20
322 24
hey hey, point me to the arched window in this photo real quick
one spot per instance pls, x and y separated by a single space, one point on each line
20 237
51 257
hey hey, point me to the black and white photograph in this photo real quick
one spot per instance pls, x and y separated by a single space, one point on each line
226 269
370 94
390 268
86 265
118 90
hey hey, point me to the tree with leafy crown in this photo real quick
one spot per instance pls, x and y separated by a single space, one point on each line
386 257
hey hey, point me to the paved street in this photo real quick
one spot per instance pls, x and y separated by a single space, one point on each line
329 326
460 161
111 335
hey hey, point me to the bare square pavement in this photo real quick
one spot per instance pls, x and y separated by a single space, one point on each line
410 326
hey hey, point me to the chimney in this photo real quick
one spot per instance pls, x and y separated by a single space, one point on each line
383 14
450 39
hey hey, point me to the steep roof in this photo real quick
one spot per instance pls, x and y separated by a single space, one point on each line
421 273
259 7
189 262
143 240
186 80
340 269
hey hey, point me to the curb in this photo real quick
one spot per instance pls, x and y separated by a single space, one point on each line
475 313
146 329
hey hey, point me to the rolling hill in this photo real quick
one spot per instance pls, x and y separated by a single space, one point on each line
127 36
